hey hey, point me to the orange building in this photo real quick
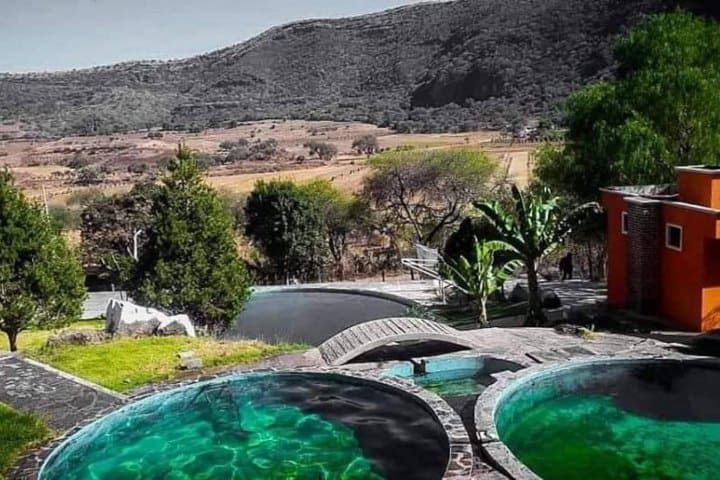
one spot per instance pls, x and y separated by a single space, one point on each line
664 248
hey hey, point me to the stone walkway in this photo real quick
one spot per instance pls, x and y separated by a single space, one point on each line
61 400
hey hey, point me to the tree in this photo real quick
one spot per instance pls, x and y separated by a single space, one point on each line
535 226
481 275
190 262
288 228
342 214
324 151
427 190
367 144
113 228
41 280
662 111
89 176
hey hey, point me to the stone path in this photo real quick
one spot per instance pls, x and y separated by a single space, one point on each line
61 400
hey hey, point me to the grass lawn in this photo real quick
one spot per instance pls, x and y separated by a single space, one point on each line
127 363
18 432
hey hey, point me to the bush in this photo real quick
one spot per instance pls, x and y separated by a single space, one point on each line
89 176
323 150
367 144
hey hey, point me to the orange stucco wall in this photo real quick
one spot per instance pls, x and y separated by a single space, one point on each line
699 188
683 272
690 283
614 205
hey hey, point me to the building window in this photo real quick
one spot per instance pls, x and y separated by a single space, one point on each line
673 237
624 223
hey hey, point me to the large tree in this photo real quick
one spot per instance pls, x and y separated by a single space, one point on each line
41 279
288 228
534 227
190 263
114 229
342 214
663 110
427 190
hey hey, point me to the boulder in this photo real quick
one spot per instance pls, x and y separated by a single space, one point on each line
144 327
190 361
570 329
176 325
549 299
127 319
519 294
77 337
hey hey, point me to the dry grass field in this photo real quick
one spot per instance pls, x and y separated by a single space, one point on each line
42 164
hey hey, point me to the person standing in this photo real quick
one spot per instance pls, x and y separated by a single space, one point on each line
566 267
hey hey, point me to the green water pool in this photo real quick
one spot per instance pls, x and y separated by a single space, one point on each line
269 427
625 422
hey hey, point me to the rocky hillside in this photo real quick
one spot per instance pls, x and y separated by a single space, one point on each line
429 67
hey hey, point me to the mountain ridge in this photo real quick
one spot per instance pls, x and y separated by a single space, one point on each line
433 66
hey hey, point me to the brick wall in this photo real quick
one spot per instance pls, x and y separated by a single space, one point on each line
645 242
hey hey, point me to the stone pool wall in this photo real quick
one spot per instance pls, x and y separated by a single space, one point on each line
460 462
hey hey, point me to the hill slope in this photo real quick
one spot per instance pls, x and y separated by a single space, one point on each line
434 66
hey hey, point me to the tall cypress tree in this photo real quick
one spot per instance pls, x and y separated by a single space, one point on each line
41 279
190 262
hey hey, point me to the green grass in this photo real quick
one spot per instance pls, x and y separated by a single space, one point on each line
127 363
18 432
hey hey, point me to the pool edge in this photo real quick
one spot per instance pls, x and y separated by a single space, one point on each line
486 407
460 454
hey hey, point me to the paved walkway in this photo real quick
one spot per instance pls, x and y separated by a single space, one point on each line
61 400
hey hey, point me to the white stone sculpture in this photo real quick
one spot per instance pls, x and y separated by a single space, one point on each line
125 319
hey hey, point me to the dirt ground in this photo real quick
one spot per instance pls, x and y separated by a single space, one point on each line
40 165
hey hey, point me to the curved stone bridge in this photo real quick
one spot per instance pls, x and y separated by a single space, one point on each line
364 337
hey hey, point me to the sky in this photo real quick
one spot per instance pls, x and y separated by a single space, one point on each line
51 35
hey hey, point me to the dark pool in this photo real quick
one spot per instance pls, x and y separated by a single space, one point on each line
310 316
644 419
261 427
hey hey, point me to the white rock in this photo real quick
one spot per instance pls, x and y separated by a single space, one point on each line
127 319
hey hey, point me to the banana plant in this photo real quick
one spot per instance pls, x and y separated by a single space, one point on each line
481 276
536 225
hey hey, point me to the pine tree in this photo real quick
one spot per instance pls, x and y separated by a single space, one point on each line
41 279
190 262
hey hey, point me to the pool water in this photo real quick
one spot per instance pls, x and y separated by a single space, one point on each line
309 316
589 437
453 375
263 427
616 420
454 383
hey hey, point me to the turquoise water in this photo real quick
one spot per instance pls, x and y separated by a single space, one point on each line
638 423
454 383
589 437
265 428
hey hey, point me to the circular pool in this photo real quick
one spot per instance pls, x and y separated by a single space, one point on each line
261 426
609 419
311 316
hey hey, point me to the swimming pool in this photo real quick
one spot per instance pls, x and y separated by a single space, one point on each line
613 419
453 375
262 427
311 316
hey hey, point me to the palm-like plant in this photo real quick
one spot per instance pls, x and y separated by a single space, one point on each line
536 225
481 275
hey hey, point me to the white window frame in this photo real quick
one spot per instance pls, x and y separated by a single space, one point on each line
623 221
668 226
